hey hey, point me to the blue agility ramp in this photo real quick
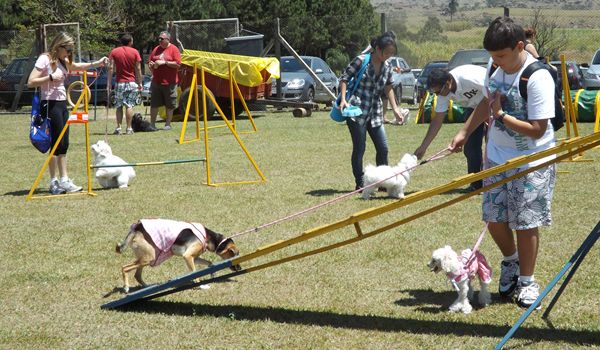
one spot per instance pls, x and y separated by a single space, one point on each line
572 264
177 284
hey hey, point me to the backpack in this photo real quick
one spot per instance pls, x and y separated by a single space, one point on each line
39 129
559 113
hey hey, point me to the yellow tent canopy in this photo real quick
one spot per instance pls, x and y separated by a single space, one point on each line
246 69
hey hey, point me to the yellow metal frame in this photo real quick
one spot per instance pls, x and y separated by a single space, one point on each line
194 94
82 98
228 124
572 146
571 115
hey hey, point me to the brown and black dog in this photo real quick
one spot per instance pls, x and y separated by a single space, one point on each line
155 240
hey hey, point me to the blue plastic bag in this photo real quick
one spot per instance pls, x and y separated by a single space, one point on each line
336 114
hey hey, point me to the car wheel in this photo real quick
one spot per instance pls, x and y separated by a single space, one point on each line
310 95
330 103
415 97
398 94
210 106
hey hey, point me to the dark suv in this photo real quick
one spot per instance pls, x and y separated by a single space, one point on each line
10 78
422 78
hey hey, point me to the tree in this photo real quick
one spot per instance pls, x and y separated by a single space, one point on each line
452 8
550 40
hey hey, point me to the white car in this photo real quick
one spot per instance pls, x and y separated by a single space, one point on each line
592 74
404 81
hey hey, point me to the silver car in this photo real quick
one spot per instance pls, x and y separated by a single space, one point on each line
404 81
592 75
297 84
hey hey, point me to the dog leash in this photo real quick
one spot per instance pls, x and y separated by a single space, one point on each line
437 156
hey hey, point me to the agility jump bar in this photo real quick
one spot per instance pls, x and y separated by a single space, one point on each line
184 282
164 162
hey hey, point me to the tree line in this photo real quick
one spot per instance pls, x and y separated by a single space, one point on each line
334 29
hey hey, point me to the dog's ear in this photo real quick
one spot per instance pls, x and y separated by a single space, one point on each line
449 260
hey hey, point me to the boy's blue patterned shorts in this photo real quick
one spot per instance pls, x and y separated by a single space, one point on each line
524 202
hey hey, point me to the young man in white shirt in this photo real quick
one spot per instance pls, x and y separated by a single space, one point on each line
519 127
464 86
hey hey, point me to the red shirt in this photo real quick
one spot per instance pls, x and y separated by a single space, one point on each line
164 74
125 58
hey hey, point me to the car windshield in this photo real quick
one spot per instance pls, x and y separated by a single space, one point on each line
292 64
596 59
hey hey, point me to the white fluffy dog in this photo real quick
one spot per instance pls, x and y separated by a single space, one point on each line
114 176
394 184
460 270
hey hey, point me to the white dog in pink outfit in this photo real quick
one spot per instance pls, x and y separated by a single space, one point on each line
460 270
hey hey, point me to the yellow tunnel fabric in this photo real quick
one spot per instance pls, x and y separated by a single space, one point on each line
246 69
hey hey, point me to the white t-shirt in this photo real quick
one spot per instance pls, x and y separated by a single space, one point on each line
503 143
469 88
52 90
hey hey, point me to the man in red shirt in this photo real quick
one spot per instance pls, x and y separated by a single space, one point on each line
164 62
126 62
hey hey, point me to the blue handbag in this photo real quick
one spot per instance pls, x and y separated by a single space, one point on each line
39 131
352 111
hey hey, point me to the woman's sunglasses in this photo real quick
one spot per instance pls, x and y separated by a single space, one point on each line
69 49
161 39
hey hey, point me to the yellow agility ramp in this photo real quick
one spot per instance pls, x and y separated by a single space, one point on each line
562 151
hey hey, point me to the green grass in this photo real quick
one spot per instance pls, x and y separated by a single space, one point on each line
58 257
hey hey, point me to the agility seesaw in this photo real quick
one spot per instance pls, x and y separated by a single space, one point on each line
570 147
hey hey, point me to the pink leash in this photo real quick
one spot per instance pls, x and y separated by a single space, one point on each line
437 156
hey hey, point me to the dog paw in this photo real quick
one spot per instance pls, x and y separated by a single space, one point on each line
126 289
204 286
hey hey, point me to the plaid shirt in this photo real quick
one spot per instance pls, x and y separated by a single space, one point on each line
370 89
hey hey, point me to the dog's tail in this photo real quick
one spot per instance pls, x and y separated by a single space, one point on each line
120 248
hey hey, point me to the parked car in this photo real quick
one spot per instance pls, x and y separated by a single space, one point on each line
404 81
299 85
147 79
10 79
416 72
422 79
574 73
592 75
478 57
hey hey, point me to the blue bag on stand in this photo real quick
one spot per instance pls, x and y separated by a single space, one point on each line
39 131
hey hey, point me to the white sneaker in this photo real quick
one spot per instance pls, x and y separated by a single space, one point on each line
55 187
527 294
69 186
129 131
117 131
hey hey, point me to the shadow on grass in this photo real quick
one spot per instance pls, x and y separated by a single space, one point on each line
42 191
362 322
331 192
424 299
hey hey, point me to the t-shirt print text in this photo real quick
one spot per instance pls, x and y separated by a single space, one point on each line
470 94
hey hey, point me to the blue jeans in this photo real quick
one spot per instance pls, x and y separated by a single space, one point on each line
358 131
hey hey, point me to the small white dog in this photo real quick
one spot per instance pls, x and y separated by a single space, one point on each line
460 270
394 184
114 176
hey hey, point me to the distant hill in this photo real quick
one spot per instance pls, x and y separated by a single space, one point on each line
425 6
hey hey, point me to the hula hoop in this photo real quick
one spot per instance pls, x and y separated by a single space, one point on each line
77 84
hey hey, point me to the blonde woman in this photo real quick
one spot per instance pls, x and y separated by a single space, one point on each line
49 74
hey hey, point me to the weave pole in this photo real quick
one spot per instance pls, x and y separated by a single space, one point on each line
164 162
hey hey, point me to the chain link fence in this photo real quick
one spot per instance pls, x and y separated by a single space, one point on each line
421 37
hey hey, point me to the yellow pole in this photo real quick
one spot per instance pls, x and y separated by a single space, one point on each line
196 106
239 92
231 96
207 153
187 106
597 111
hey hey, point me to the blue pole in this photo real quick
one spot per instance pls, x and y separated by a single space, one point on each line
576 258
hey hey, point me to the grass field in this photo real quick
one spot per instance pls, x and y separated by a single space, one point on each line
58 260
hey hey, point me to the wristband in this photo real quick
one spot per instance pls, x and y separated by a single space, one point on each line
500 118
